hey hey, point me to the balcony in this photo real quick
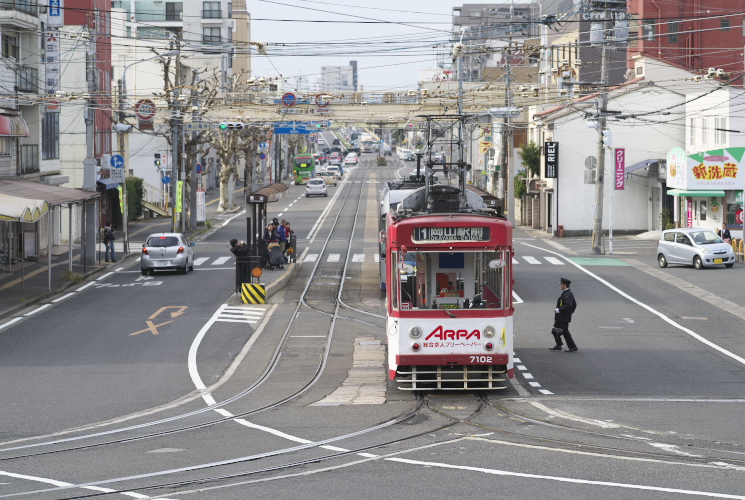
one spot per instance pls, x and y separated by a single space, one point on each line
29 160
28 79
27 6
19 13
212 14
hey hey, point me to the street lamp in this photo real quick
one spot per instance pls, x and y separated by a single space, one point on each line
121 129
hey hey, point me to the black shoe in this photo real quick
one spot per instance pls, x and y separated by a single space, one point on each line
113 261
555 348
573 349
106 261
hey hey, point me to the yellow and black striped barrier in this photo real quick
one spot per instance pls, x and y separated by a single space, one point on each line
253 293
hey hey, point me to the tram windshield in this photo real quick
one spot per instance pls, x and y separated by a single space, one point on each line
451 280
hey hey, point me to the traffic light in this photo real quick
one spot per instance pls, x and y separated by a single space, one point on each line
157 160
231 125
607 138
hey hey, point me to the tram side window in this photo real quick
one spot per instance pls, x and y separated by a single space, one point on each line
491 269
394 280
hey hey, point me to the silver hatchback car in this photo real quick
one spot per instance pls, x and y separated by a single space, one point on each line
693 246
164 251
316 186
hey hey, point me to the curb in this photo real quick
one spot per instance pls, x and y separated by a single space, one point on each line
290 272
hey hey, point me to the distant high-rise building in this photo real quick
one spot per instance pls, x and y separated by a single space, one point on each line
339 78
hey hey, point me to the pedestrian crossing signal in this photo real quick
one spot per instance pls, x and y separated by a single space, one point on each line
232 125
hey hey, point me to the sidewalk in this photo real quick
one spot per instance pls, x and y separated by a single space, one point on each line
28 282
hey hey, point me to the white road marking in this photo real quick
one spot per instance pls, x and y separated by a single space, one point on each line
220 261
333 257
544 391
280 214
358 257
515 360
104 276
377 257
534 384
37 309
64 297
225 320
554 260
521 367
514 261
311 257
54 482
8 323
528 376
638 302
532 260
308 336
200 261
516 298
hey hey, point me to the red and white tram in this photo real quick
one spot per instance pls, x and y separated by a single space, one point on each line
449 299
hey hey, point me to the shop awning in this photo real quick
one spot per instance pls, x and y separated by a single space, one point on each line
108 183
13 126
52 195
641 164
705 194
21 209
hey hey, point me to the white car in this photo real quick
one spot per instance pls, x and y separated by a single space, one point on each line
334 169
351 159
315 187
320 140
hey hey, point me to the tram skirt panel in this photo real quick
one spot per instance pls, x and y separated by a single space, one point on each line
253 293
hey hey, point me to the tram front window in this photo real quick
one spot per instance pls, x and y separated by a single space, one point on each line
453 280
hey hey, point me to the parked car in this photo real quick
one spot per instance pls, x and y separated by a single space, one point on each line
164 251
336 170
316 187
351 159
693 246
329 177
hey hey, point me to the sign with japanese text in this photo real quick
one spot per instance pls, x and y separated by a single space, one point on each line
52 66
439 234
201 206
620 162
689 209
56 15
179 195
551 157
485 146
720 169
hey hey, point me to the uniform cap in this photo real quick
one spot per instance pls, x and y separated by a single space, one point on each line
565 281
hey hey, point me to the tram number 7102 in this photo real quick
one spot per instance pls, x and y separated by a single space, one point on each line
481 359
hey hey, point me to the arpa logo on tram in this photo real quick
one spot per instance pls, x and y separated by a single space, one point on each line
441 334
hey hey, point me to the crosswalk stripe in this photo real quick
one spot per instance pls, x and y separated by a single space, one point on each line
200 261
311 257
377 257
235 321
220 260
554 260
358 257
333 257
515 261
532 260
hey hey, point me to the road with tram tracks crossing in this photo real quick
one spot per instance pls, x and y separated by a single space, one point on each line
155 388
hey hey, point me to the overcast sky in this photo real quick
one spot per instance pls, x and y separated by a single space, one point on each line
389 54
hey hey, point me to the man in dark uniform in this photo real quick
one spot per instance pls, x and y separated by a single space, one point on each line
565 306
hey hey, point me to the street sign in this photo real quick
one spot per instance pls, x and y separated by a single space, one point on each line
551 158
262 156
292 131
117 161
145 110
166 179
197 126
117 175
289 99
199 168
485 146
262 145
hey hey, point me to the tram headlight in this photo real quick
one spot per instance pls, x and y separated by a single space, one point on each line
489 331
415 332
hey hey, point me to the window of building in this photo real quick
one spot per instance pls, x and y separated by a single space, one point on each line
174 11
720 132
692 131
733 201
211 10
475 13
50 136
724 24
230 10
211 35
648 29
673 27
10 46
456 12
7 146
704 132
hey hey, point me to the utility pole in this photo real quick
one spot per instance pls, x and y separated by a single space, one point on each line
507 124
89 164
175 122
120 135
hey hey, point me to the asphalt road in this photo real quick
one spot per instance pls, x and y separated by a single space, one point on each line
649 407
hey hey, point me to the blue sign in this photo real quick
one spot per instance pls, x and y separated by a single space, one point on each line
291 130
262 145
262 156
117 161
382 141
166 179
54 8
199 168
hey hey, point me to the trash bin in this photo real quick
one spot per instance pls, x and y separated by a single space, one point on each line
560 232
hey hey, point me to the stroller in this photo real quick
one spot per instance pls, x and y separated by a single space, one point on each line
276 258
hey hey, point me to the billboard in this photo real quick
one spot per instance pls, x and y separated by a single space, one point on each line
718 169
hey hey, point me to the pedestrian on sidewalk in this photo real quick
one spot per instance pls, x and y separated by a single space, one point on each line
238 248
565 307
289 234
725 234
108 241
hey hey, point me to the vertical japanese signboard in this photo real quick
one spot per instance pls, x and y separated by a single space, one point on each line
52 68
620 163
689 214
56 14
551 156
201 206
179 195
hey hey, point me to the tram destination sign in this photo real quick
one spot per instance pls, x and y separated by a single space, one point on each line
424 234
